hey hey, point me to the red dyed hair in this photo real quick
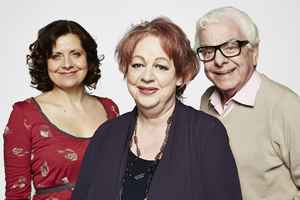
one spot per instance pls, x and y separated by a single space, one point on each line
173 41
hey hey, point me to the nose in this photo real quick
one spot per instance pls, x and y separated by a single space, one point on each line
148 75
68 64
220 59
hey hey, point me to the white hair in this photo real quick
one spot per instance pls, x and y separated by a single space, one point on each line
218 15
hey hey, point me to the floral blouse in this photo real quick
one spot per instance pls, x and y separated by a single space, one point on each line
36 150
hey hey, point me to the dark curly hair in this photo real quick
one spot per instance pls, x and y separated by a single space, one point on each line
173 41
41 51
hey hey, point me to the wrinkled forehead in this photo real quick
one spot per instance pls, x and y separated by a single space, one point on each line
219 32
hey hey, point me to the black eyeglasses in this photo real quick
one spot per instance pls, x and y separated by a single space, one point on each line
227 49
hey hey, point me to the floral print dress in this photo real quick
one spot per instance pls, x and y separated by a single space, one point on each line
36 150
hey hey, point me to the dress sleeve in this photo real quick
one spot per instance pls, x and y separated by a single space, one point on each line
17 156
111 107
219 171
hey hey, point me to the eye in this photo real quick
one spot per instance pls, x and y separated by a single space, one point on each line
231 47
207 51
55 56
137 65
161 67
76 54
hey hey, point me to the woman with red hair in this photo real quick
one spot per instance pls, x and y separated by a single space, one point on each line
163 149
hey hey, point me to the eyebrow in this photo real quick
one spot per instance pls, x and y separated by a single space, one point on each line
81 50
137 56
156 59
205 45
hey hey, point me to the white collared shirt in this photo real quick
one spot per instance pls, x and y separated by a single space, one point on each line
245 96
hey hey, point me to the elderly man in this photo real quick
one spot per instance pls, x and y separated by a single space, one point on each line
261 116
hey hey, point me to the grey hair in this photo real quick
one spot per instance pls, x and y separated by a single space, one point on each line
218 15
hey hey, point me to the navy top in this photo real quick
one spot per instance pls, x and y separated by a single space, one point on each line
136 189
197 163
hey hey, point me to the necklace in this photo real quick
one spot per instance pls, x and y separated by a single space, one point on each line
153 165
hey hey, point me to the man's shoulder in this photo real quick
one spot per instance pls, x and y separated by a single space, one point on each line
205 97
272 87
276 96
208 92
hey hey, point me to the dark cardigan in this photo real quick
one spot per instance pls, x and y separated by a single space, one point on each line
197 163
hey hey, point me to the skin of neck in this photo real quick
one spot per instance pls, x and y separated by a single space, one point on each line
153 117
68 97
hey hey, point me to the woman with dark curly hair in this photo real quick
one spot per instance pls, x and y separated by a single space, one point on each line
46 136
163 149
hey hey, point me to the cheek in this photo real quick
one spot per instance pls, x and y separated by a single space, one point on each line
52 66
132 78
49 66
207 69
247 67
168 82
131 86
84 64
130 82
246 73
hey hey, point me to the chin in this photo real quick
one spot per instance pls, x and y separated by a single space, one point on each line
146 104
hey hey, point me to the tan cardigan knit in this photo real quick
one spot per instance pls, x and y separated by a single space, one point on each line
265 140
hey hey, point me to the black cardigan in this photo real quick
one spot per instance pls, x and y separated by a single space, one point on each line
197 163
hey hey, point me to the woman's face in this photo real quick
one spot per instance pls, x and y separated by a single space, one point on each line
151 77
67 66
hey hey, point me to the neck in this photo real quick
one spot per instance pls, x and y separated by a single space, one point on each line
71 97
224 98
154 118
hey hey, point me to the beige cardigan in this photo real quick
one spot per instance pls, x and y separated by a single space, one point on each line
265 140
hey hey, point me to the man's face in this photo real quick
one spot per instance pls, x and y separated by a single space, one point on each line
229 75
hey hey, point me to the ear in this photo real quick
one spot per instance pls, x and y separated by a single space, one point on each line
179 81
255 53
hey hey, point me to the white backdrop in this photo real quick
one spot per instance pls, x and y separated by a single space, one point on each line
106 21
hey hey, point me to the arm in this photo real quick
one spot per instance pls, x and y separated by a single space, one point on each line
286 136
17 153
219 170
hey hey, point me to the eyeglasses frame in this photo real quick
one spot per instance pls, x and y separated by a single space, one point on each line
217 47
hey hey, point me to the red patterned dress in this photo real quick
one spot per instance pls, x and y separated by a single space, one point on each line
36 150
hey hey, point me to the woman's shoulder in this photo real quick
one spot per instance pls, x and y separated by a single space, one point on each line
106 100
198 119
25 109
201 125
122 120
25 104
196 114
110 105
117 127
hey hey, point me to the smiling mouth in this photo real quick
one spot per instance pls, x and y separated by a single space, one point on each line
146 90
225 72
67 73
